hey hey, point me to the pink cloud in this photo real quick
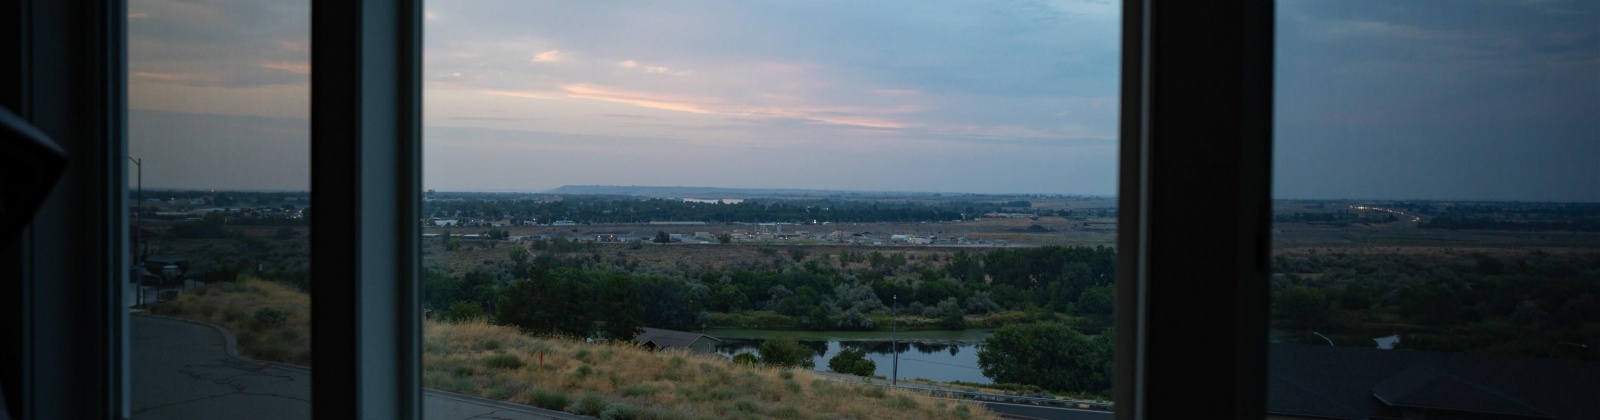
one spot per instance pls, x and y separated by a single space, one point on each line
176 77
296 67
643 99
552 56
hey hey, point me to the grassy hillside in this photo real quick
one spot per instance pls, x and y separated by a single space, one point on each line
271 321
604 380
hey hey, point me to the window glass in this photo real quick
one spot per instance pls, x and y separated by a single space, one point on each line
1436 223
771 209
219 149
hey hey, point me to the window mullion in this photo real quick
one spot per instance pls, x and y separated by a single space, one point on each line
365 147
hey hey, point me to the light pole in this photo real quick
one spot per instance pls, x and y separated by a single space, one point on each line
138 217
1552 354
1324 337
894 339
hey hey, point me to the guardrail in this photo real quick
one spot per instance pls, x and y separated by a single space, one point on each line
983 396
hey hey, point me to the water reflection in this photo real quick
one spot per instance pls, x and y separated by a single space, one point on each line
936 360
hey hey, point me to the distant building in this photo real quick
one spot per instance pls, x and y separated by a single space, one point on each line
446 222
659 339
563 223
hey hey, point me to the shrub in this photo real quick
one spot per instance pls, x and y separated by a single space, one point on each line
875 392
785 352
616 411
462 311
745 359
639 390
503 361
461 385
548 400
591 404
270 318
852 361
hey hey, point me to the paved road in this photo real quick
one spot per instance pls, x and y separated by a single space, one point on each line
183 371
1031 412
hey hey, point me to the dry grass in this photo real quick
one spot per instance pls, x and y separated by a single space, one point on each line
617 380
246 307
474 358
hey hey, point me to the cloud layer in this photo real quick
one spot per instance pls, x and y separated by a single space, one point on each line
1456 99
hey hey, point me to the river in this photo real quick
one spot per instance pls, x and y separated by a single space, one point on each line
935 355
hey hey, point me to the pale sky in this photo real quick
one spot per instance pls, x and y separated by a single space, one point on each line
1494 100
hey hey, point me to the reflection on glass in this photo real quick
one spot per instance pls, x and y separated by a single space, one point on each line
770 210
219 145
1437 223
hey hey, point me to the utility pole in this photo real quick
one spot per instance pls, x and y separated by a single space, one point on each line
894 339
138 227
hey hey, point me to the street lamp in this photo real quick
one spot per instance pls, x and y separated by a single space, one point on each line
1324 337
138 218
1552 354
894 339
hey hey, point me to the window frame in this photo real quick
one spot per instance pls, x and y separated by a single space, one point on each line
366 173
1189 70
1194 197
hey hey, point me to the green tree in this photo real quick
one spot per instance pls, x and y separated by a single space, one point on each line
519 260
462 311
1431 304
450 242
548 303
953 319
785 352
1304 306
620 308
1048 355
662 237
723 238
1097 300
852 361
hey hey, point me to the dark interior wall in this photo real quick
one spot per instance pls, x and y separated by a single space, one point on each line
62 73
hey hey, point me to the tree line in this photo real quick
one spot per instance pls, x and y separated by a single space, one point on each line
546 292
1499 304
